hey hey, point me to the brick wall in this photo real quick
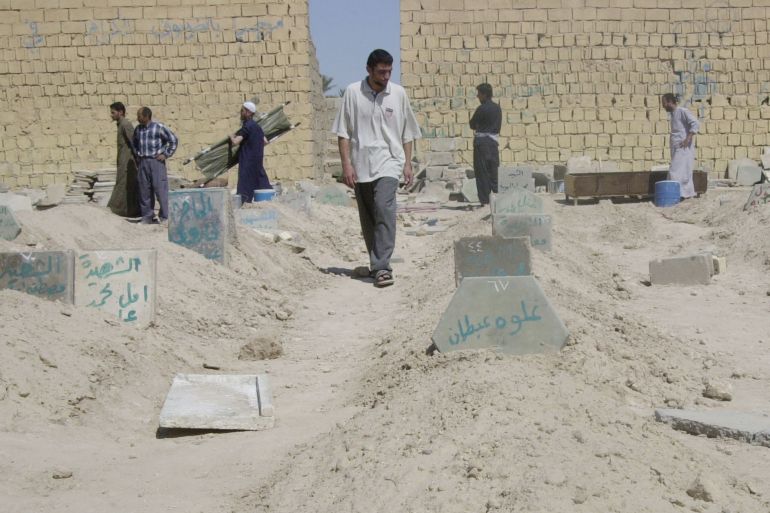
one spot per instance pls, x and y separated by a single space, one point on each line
584 76
192 61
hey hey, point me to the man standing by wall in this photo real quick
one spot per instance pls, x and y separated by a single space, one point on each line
684 126
124 200
153 144
375 129
486 122
251 170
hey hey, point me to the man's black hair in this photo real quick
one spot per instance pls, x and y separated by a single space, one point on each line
671 97
146 112
379 56
485 89
118 106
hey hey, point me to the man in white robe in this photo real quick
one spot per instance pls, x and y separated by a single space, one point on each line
684 126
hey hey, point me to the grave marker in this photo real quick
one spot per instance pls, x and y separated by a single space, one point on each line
517 201
760 195
47 274
535 226
198 220
9 226
470 192
515 177
120 283
258 219
492 256
300 201
333 195
508 313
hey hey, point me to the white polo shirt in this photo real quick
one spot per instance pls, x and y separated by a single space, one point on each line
378 125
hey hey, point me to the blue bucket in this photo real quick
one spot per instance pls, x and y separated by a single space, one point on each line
667 193
264 194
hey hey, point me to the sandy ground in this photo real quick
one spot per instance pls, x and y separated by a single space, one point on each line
366 420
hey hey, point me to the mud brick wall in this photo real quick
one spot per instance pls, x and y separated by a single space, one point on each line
584 76
62 62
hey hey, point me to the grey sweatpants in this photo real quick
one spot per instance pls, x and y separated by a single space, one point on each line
153 181
377 210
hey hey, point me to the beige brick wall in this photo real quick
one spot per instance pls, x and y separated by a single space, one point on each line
584 76
62 62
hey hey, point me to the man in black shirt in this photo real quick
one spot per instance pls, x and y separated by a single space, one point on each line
486 123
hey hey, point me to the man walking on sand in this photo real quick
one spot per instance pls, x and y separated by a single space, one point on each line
124 200
153 144
375 129
684 126
251 169
486 122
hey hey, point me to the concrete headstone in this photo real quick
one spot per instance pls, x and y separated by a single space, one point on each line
492 256
54 195
258 218
198 220
333 195
300 201
508 313
535 226
517 201
9 226
209 401
47 274
515 177
686 270
121 283
16 202
760 195
470 192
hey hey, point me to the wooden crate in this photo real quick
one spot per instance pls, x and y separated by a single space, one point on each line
640 184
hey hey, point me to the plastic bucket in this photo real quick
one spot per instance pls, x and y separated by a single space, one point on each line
264 194
667 193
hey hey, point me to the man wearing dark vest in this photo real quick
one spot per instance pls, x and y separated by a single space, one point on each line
486 122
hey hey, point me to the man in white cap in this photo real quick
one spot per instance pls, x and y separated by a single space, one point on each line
251 171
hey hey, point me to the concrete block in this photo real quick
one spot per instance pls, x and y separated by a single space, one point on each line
333 195
47 274
747 427
54 194
760 195
434 173
218 402
470 192
556 187
439 158
121 283
535 226
199 219
515 177
508 313
719 264
687 270
9 225
258 218
453 174
443 144
433 192
492 256
16 202
744 171
517 201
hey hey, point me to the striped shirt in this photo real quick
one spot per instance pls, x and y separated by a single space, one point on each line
154 139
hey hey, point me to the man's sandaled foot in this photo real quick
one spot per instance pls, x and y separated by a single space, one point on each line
383 278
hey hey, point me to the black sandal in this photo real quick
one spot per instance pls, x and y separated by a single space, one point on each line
383 278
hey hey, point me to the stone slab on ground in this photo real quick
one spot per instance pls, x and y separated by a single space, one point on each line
492 256
121 283
515 177
747 427
516 201
9 225
511 314
760 195
16 202
535 226
258 218
218 402
54 195
469 190
199 220
686 270
46 274
333 195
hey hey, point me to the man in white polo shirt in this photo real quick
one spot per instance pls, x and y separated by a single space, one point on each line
375 128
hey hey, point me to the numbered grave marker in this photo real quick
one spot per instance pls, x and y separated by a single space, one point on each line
517 201
492 256
47 274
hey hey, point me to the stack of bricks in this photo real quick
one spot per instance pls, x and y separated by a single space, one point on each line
584 77
193 62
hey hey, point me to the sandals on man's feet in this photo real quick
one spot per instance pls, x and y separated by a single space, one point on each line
383 278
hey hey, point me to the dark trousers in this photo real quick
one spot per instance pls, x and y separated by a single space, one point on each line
377 211
486 160
153 181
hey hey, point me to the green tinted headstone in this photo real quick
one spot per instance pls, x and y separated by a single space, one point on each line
333 195
198 220
535 226
517 201
508 313
258 218
470 192
760 195
9 226
47 274
515 177
492 256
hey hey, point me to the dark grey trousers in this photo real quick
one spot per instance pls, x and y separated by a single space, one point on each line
153 181
377 210
486 160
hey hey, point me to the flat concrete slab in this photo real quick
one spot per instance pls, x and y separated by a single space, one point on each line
517 201
121 283
492 256
511 314
515 177
685 270
469 190
199 220
9 225
258 218
46 274
747 427
535 226
760 195
333 195
218 402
